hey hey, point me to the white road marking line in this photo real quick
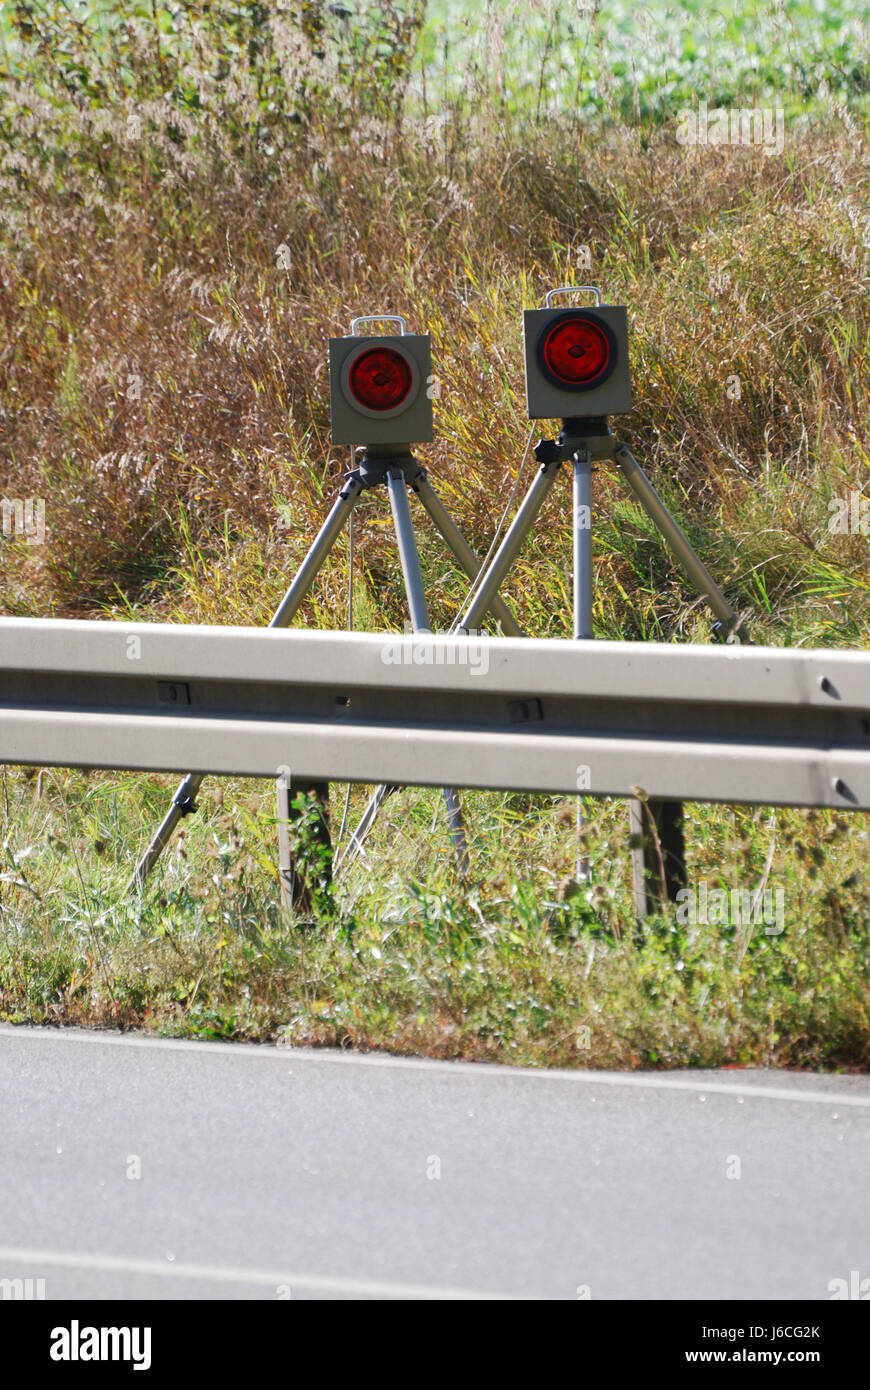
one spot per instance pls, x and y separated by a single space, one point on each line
643 1080
314 1283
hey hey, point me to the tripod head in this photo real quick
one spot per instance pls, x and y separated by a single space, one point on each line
591 434
378 461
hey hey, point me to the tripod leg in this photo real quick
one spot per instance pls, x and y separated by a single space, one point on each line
456 826
398 489
183 801
651 887
504 557
583 578
367 820
583 593
676 538
325 540
456 542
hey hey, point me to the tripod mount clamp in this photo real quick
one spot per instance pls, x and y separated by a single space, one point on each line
733 633
586 435
378 461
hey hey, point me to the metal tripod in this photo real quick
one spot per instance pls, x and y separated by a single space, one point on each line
396 469
586 441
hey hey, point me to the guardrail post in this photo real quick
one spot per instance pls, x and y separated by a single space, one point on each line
297 892
658 855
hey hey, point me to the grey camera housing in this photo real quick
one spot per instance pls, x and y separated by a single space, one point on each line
352 423
548 401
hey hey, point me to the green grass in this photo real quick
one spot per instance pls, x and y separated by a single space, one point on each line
521 967
649 60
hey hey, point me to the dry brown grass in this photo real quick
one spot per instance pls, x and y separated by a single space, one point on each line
168 365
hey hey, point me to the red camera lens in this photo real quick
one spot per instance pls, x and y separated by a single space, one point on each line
380 379
576 350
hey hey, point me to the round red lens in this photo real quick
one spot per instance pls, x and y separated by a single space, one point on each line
576 351
380 379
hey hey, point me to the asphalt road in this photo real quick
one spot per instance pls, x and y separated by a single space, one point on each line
132 1167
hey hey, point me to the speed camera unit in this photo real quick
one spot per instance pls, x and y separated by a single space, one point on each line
379 389
576 362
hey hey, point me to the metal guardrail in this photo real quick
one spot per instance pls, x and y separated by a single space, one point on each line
733 724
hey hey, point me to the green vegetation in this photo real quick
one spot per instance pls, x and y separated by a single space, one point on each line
192 198
601 56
